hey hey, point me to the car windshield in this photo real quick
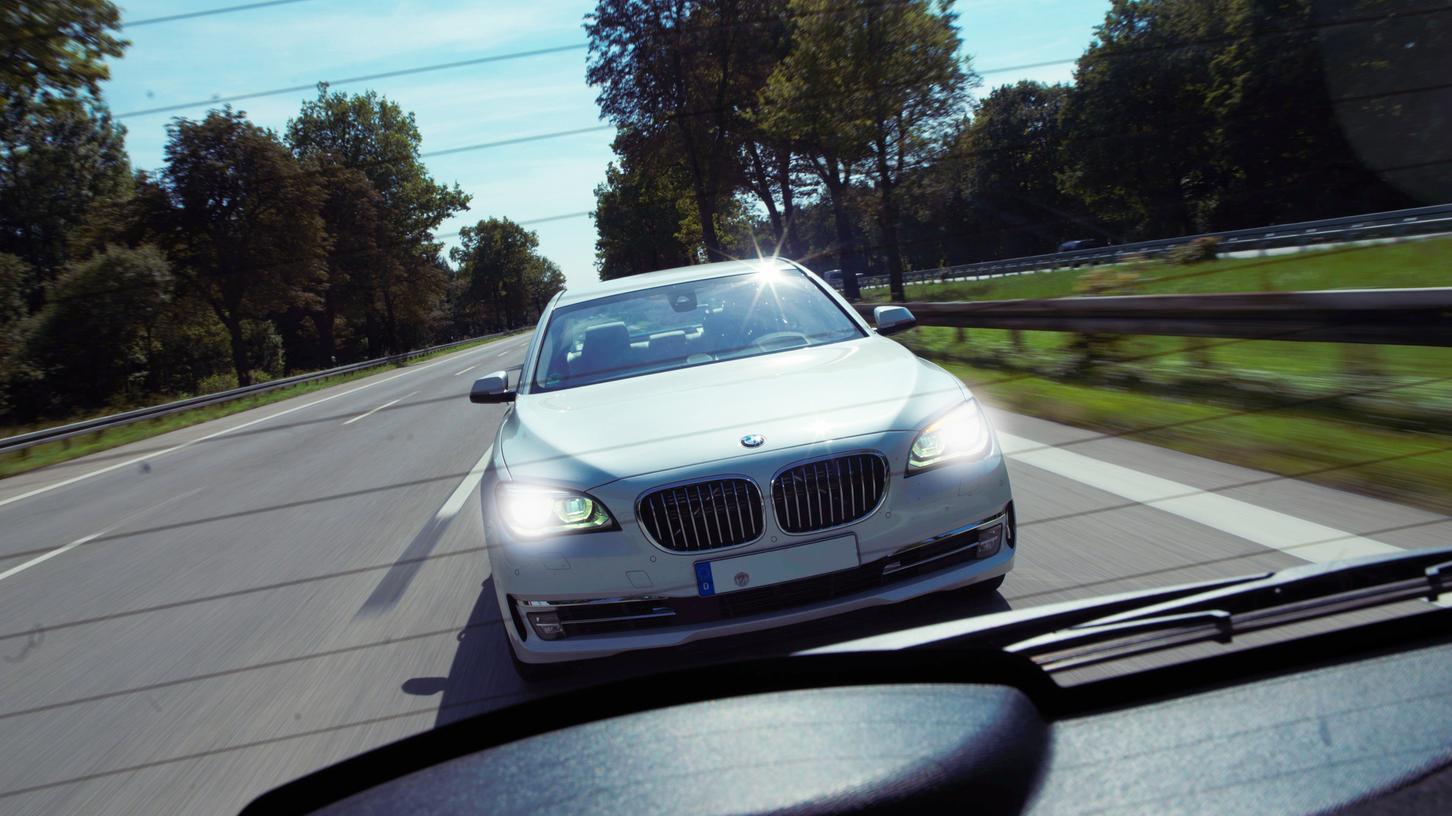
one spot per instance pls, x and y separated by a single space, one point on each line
687 324
368 365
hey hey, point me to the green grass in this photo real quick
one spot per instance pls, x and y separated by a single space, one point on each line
1361 417
1403 466
1426 262
56 452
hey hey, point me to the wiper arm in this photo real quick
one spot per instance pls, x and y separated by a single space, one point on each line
1285 597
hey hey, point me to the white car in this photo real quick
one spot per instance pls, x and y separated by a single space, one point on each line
725 448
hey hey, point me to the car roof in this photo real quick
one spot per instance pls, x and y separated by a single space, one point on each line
666 277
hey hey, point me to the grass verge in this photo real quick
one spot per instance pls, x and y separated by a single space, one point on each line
1411 264
1404 466
52 453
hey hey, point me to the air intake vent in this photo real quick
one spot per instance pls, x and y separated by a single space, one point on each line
828 493
703 515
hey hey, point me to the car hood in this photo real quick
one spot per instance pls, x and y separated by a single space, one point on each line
590 435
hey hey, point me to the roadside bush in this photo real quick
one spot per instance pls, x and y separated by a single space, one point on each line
1197 251
225 381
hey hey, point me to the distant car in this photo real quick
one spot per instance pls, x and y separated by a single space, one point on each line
1083 243
834 277
726 448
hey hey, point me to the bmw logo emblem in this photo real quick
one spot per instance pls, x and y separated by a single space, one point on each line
752 441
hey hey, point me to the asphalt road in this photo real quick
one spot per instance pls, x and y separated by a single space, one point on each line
193 619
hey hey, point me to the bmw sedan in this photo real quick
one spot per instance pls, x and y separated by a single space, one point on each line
725 448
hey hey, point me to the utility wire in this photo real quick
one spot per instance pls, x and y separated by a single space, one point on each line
206 13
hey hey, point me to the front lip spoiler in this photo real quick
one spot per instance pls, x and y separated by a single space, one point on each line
618 614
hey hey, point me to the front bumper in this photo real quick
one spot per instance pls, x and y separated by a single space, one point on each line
547 632
598 594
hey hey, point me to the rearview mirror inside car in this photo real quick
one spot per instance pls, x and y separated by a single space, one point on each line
893 319
493 388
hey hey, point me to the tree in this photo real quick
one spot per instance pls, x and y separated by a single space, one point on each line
643 216
59 148
508 281
93 340
245 231
1008 159
678 70
395 284
871 82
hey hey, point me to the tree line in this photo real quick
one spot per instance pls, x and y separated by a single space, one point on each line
847 134
249 254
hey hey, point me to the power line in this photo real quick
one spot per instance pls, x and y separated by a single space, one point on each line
515 140
216 100
207 13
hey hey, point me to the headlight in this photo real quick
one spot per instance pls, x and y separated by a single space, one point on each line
961 433
533 510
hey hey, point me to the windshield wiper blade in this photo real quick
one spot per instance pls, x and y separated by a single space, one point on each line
1285 597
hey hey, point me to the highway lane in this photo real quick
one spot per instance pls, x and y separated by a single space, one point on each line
259 603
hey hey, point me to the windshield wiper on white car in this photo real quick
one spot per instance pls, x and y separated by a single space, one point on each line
1082 633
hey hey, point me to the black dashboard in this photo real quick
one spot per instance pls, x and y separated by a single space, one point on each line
1356 722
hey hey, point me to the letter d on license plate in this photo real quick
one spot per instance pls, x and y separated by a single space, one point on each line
776 566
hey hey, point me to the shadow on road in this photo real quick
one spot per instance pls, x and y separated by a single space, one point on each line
482 678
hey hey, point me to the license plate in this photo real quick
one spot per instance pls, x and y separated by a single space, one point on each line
775 566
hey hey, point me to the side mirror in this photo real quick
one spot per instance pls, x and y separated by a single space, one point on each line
893 319
493 388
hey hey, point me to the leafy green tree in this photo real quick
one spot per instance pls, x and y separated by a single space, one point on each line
246 237
508 281
56 48
870 83
59 148
93 341
679 70
642 217
1282 147
392 279
1008 160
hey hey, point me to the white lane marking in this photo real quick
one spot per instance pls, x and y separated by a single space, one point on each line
467 370
158 454
1293 536
455 502
93 536
367 414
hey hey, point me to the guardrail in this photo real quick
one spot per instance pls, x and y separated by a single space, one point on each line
1395 223
28 440
1413 317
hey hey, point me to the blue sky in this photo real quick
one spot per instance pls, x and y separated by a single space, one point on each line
302 42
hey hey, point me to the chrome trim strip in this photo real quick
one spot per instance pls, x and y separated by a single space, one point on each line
658 613
968 528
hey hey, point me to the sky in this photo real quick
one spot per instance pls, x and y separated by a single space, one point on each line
546 184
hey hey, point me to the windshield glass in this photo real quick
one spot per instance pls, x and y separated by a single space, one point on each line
687 324
349 384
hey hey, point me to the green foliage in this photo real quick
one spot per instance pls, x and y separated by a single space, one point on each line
380 210
96 330
245 234
1197 251
56 49
505 282
685 72
59 148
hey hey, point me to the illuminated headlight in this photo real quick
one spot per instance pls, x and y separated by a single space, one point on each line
960 434
533 511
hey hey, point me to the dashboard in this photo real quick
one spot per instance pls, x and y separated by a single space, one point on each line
1368 731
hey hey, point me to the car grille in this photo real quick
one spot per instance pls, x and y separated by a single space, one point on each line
703 515
827 493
